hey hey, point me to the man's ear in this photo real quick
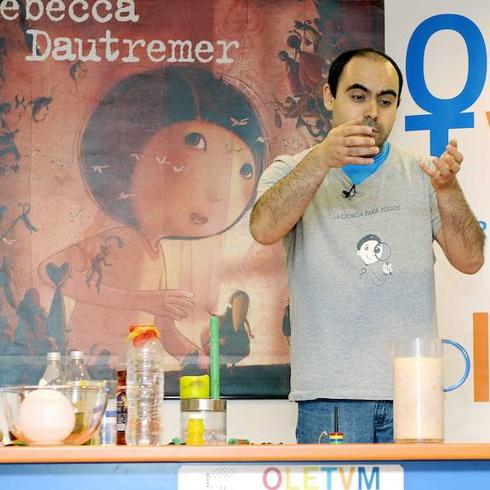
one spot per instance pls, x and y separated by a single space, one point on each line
328 98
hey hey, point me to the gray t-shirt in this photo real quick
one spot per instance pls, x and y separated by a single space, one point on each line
361 275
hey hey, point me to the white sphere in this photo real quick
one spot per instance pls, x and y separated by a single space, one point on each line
46 416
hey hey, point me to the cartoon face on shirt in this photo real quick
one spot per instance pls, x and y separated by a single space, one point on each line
370 251
194 179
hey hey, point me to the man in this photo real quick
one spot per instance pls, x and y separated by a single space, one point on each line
352 292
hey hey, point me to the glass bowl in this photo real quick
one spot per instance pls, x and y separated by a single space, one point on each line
54 415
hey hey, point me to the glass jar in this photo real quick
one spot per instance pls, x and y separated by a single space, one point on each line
213 415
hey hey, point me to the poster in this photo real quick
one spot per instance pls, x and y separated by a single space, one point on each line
132 137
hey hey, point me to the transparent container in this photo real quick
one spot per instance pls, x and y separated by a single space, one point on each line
77 370
107 432
418 394
144 387
53 414
213 415
53 374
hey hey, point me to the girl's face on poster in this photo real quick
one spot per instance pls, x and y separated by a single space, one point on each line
193 179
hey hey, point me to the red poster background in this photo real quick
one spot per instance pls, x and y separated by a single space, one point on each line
126 183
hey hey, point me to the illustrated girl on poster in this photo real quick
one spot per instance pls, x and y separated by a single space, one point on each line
171 153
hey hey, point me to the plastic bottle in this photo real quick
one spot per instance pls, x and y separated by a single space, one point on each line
144 386
53 374
77 371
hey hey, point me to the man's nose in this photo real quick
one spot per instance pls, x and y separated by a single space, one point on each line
371 111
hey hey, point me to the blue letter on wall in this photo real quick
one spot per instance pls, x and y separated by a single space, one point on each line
445 114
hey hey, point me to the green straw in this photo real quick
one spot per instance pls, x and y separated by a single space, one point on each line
214 354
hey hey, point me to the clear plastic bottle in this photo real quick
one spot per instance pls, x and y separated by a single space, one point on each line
144 386
53 374
77 371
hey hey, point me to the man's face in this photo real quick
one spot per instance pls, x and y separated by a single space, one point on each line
367 88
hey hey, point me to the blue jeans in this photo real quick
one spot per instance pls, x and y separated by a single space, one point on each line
361 421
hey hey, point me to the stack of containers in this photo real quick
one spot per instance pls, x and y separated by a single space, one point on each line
203 419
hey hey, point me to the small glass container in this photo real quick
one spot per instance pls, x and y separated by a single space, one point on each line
213 415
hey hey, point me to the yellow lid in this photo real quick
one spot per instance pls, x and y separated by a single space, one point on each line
194 387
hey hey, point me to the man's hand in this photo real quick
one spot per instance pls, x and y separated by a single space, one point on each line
351 142
460 236
443 175
282 206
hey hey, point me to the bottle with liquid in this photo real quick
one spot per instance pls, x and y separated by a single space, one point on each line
53 374
77 370
77 376
122 407
144 386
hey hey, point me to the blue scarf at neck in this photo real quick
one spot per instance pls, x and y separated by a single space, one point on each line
359 173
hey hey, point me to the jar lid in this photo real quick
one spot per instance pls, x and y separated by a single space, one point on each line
76 355
54 356
204 404
194 387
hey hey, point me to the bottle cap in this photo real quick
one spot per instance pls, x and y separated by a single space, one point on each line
139 334
76 355
54 356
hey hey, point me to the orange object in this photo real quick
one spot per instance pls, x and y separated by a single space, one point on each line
480 357
140 334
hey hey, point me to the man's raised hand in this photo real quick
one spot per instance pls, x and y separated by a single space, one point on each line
351 142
